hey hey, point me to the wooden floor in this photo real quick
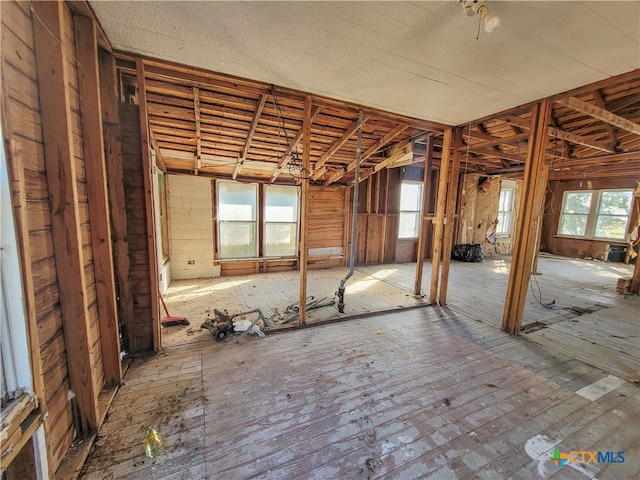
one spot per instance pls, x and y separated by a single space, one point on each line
425 393
584 317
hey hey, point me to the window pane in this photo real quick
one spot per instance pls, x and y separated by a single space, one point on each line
506 200
280 239
573 224
281 204
408 227
575 202
237 239
410 196
237 201
504 223
609 226
615 203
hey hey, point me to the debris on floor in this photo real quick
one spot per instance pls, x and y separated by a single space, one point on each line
224 324
623 286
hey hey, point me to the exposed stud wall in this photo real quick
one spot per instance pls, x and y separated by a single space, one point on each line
19 79
81 183
478 209
140 327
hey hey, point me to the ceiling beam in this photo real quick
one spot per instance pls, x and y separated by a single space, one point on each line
333 149
399 155
600 114
579 140
613 138
252 130
286 158
563 134
366 155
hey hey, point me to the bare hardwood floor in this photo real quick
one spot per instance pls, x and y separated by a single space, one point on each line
583 316
425 393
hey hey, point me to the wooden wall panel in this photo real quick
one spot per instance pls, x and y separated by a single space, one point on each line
20 86
139 328
326 217
81 184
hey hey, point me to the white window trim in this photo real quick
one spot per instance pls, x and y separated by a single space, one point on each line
419 211
265 222
507 185
220 222
592 216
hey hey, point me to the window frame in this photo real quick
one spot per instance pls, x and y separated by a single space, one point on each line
220 222
418 212
508 213
593 214
265 222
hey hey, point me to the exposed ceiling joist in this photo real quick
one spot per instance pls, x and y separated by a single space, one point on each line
600 114
252 130
335 147
577 139
613 139
286 158
366 155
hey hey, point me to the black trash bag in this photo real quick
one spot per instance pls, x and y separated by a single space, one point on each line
468 252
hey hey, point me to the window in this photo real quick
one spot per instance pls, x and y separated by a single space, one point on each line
505 211
280 221
237 220
410 201
598 214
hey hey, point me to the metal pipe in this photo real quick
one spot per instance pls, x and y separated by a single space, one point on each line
354 220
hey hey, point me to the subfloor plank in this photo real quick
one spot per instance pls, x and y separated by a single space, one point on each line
428 393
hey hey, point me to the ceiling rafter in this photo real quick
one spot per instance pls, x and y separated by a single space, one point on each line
335 147
613 138
600 114
286 158
366 155
252 130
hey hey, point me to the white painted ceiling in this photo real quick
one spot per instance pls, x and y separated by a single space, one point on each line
420 59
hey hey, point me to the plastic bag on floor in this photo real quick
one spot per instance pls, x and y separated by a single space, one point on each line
468 252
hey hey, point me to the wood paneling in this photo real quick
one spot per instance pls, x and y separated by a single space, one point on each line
139 329
22 110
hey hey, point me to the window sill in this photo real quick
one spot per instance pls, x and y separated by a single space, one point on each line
616 241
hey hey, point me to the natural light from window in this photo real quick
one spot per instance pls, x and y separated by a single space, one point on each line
597 214
410 201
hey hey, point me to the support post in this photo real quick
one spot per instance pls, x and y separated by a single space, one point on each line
53 85
93 141
635 279
439 218
534 186
148 201
422 234
304 207
536 254
452 198
113 157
